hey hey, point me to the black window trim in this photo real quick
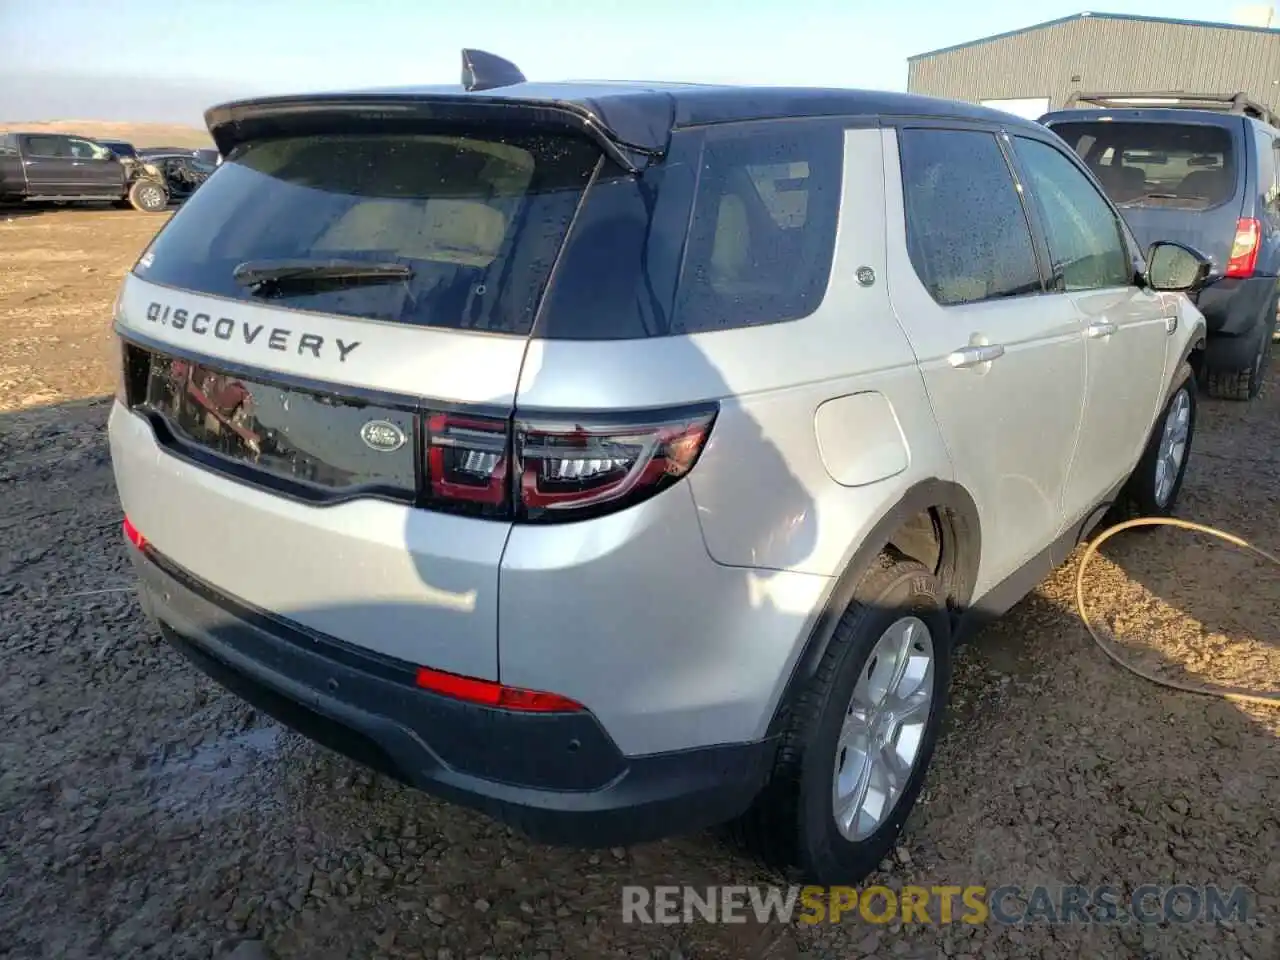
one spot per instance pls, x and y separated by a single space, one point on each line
1039 246
1137 258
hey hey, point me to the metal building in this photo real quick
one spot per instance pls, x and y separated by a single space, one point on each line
1035 69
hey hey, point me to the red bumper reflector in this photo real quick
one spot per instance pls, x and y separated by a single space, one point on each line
490 694
133 535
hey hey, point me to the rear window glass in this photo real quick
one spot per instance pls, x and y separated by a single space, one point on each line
1157 164
478 222
735 228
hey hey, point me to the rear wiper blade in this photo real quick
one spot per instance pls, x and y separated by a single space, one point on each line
263 276
1162 196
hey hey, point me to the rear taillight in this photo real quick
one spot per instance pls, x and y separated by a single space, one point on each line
1244 248
557 468
565 470
467 461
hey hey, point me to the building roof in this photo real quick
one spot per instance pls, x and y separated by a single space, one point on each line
1094 16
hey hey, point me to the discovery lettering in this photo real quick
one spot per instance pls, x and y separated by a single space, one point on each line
282 339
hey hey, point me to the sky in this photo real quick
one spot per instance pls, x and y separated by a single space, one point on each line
166 60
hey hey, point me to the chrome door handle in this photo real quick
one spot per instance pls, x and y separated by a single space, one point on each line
1102 328
972 356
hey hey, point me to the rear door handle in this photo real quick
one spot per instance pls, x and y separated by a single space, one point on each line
972 356
1101 328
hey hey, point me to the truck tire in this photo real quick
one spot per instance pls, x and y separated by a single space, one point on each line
1245 382
895 635
148 196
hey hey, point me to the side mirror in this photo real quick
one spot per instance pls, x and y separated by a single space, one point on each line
1177 268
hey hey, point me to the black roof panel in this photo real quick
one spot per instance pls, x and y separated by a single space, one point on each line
637 114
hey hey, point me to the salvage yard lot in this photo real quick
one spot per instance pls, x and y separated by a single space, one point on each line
147 813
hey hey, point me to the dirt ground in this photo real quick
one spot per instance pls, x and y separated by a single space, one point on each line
145 813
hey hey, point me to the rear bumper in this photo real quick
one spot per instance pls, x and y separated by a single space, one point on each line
1233 308
558 778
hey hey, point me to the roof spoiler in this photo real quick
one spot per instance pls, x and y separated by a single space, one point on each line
1234 103
234 124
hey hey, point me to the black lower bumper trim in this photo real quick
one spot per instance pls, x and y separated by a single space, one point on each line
559 778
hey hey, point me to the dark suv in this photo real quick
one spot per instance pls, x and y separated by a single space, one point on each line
1201 170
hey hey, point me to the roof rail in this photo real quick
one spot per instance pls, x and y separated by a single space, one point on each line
486 71
1235 103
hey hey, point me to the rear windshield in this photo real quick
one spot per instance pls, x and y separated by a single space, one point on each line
1185 165
478 222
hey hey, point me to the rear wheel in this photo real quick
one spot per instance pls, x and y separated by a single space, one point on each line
148 196
1238 381
859 738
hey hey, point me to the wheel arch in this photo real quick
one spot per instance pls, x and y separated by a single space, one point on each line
944 506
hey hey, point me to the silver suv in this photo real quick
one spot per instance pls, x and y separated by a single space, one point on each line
624 459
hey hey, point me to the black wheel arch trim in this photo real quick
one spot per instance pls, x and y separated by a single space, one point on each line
962 548
1197 341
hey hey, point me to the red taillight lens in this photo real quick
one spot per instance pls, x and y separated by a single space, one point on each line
133 535
565 470
1244 248
467 460
491 694
558 468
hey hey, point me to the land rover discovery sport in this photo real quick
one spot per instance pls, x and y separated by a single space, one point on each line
623 459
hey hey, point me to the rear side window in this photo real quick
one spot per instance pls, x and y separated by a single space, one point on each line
478 220
735 228
41 146
967 232
1268 172
762 235
1180 165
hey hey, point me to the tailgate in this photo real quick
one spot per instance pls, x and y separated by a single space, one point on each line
303 497
331 447
1209 231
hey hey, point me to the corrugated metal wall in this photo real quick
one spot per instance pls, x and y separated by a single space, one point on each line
1109 55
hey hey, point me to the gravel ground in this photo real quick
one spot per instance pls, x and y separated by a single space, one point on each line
145 813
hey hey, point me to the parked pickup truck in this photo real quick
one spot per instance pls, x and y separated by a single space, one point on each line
65 169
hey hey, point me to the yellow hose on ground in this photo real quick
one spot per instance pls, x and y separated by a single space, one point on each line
1208 689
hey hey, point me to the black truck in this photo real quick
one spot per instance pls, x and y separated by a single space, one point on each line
55 167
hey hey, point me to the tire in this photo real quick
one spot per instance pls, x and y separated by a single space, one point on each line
1148 492
1245 383
148 196
792 823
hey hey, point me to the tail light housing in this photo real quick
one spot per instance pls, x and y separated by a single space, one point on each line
529 468
1244 248
555 468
